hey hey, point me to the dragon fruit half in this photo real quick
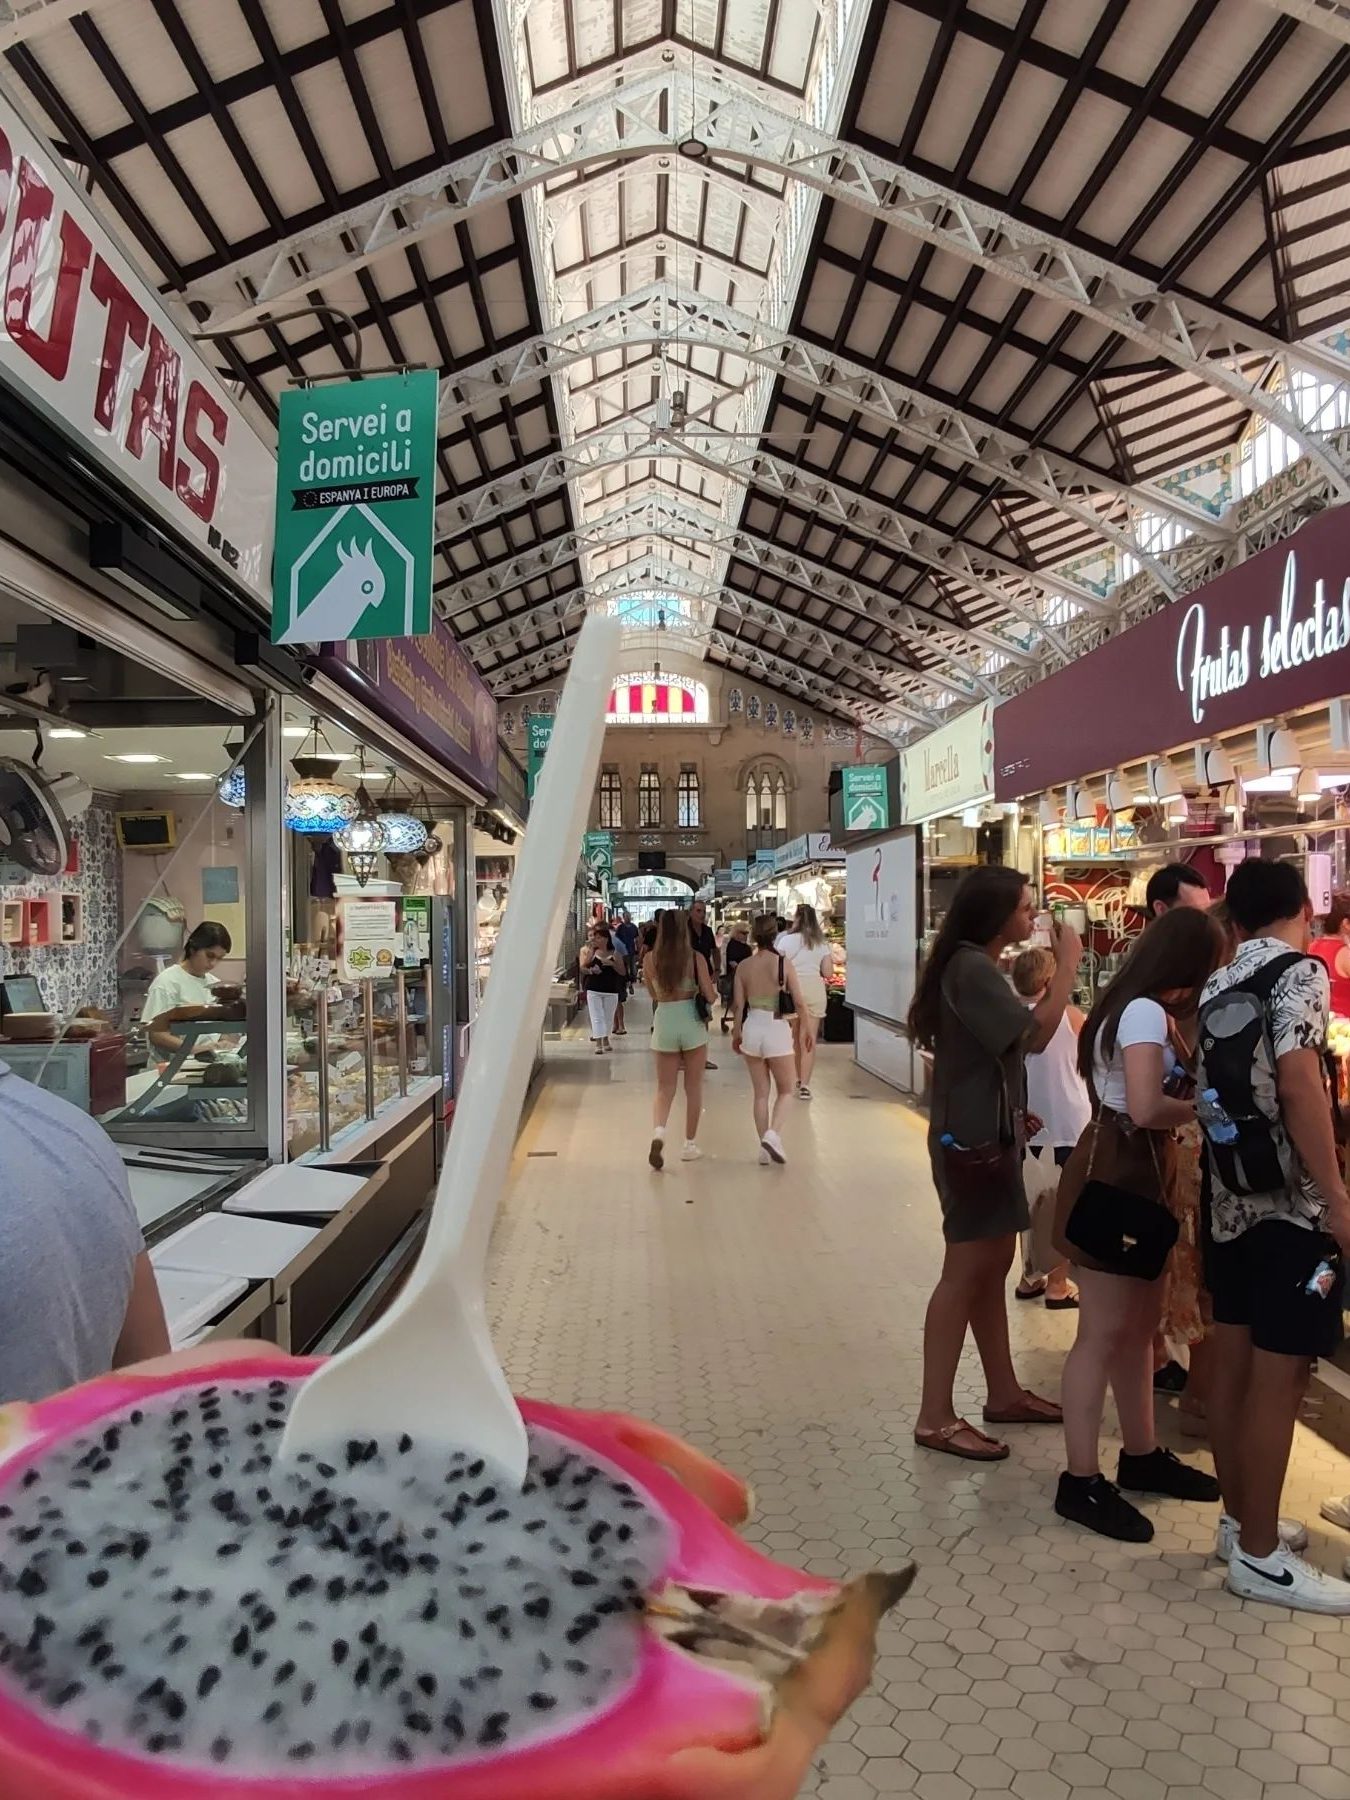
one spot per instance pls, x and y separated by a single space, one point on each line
182 1617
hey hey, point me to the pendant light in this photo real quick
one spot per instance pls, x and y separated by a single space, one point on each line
316 804
404 832
363 840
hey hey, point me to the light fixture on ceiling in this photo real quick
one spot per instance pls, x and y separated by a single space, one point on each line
1118 795
1213 766
1163 784
195 775
67 731
404 832
1079 804
295 731
136 756
1278 760
1047 812
693 148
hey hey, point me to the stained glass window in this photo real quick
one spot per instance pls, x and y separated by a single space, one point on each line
657 699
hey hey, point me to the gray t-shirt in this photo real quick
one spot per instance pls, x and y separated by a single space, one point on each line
979 1058
69 1239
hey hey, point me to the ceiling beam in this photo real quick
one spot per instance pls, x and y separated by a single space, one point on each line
642 576
657 113
1330 16
23 20
979 568
661 315
639 522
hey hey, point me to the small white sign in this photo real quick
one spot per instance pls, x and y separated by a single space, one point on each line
371 941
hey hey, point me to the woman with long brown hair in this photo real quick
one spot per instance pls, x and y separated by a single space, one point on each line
980 1034
1126 1056
677 977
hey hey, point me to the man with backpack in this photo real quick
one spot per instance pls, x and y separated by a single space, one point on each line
1278 1221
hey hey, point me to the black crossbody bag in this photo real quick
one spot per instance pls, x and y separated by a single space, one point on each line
1121 1231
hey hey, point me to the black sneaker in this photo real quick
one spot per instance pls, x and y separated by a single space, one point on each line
1160 1472
1170 1379
1099 1506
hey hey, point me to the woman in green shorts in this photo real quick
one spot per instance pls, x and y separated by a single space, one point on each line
676 977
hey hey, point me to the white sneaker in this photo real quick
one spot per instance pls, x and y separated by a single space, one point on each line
691 1152
774 1145
1337 1511
803 1092
1286 1580
1293 1536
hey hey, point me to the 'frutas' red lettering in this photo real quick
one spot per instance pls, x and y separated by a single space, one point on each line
127 321
36 199
154 405
200 492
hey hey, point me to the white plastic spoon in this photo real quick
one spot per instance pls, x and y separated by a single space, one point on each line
428 1367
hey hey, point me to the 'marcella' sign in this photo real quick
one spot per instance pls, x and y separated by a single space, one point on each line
88 342
1268 637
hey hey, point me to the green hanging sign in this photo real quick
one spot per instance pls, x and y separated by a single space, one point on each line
356 510
539 733
599 853
867 800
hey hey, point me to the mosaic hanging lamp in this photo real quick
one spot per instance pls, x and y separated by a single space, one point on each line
316 804
404 832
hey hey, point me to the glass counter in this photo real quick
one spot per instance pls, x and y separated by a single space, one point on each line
352 1048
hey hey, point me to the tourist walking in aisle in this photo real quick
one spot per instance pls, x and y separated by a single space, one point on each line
604 975
1057 1098
678 978
1279 1224
625 931
1116 1217
812 959
704 939
738 947
767 986
979 1032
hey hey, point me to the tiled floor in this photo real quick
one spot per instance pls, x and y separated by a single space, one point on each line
773 1316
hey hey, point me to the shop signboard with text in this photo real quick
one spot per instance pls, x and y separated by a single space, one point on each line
740 871
867 801
949 769
88 343
356 510
599 854
428 689
1267 638
538 734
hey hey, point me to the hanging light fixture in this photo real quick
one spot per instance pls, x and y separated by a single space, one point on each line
404 832
1278 759
363 840
231 789
316 804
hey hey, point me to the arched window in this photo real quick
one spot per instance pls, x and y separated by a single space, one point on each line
766 807
656 698
649 799
690 805
611 801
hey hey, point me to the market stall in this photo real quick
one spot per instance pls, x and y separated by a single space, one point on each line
1219 731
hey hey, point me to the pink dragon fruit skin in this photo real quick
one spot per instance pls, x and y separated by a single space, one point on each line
682 1730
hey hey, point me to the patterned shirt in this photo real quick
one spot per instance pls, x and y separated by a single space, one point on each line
1297 1013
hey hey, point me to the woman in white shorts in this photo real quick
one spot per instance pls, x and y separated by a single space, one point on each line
763 1036
805 948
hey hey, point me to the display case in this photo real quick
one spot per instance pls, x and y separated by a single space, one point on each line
353 1049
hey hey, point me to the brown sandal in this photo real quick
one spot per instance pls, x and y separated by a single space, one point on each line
1030 1410
986 1449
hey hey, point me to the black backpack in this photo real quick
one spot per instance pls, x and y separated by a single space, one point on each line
1237 1060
